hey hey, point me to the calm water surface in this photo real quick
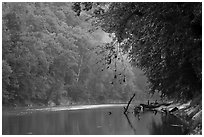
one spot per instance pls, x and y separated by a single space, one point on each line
88 120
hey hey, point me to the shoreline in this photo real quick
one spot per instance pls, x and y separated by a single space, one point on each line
191 115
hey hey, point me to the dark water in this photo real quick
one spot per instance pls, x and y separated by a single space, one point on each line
92 121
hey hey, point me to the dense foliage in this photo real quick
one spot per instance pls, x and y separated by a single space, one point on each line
163 39
50 55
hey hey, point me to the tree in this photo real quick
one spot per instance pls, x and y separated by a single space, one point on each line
163 39
38 57
49 55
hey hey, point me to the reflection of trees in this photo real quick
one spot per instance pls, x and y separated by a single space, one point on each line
155 124
166 128
137 115
155 128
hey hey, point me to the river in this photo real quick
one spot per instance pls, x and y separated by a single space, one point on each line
88 120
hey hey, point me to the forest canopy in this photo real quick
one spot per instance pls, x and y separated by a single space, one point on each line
163 39
90 52
49 54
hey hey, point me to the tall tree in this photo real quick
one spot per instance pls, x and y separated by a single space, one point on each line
49 55
163 39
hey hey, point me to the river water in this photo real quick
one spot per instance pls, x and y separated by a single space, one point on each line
88 120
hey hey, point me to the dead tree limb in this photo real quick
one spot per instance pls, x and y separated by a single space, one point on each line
130 123
126 108
152 106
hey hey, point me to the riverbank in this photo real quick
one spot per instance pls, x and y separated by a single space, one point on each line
190 113
70 106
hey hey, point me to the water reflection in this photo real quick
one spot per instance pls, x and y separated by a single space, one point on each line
95 121
166 127
129 122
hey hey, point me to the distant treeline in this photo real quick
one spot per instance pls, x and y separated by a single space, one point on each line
49 56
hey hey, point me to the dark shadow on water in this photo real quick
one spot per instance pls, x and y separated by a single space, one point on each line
171 125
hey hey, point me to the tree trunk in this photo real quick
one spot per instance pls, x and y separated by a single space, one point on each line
79 71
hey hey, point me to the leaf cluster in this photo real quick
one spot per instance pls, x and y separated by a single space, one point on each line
164 40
